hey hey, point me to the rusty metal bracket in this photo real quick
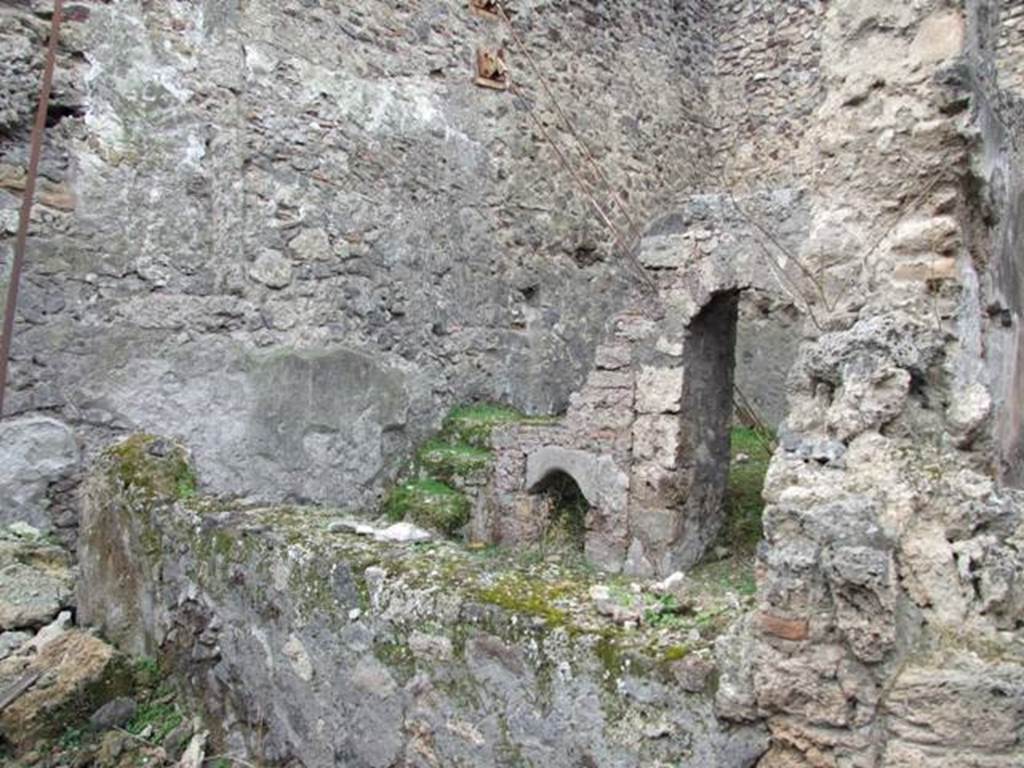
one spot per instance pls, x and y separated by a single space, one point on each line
488 9
26 201
491 69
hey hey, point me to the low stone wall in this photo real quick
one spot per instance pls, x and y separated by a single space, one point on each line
311 647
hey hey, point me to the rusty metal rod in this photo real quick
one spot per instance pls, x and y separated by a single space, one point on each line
27 195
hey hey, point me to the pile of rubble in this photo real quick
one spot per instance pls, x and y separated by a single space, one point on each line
67 698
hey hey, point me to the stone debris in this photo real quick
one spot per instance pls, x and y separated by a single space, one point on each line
36 580
113 714
64 668
195 752
51 631
621 609
351 526
403 533
12 641
674 585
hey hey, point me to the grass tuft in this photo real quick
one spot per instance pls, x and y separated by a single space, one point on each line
447 461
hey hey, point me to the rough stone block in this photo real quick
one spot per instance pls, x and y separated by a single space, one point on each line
272 269
656 439
653 485
659 390
941 36
68 671
613 357
656 526
35 452
666 251
311 245
967 705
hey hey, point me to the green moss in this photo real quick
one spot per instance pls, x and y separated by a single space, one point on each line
675 653
186 486
163 716
147 672
398 657
157 474
472 424
311 587
223 544
429 503
610 655
665 612
447 461
528 597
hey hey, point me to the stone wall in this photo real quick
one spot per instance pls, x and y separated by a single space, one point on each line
294 234
768 338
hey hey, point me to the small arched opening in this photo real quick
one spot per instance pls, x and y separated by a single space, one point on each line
565 510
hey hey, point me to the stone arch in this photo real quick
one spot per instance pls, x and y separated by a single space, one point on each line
584 468
605 486
703 258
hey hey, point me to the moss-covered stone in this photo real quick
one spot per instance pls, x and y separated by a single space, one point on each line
675 653
472 424
154 466
448 461
429 503
530 597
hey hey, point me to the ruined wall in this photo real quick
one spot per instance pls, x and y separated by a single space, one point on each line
768 338
888 627
646 438
294 233
307 644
